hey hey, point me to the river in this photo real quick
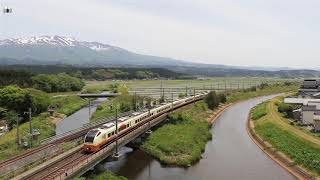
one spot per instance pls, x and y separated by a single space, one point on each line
230 155
77 119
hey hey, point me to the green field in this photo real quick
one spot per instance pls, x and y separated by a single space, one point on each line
232 81
183 140
302 147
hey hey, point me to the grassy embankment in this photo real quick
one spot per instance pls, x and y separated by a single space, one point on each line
181 142
238 96
302 147
65 105
107 175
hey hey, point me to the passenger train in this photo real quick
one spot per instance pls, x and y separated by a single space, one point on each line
98 138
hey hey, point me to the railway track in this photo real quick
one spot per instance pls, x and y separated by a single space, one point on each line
9 162
53 170
24 155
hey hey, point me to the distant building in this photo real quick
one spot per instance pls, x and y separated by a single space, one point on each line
316 123
308 114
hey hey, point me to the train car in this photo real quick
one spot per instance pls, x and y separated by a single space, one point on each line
98 138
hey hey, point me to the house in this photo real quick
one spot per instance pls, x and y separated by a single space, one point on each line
296 114
316 123
308 114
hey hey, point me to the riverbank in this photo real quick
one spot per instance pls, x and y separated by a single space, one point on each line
294 149
182 142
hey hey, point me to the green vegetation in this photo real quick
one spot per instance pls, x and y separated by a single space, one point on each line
299 150
123 103
183 140
262 91
8 142
286 109
42 122
302 147
213 100
57 83
98 74
259 111
68 105
14 101
107 175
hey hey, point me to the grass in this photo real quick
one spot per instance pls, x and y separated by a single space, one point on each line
100 85
104 110
183 140
300 146
238 96
259 111
8 143
107 175
65 105
68 104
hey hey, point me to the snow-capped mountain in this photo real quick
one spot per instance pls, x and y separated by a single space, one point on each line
67 50
54 41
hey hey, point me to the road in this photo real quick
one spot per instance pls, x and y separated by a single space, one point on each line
230 155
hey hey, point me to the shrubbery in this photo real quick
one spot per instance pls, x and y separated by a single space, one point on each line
286 109
15 101
57 83
213 100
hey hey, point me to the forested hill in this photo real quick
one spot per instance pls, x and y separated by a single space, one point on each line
21 74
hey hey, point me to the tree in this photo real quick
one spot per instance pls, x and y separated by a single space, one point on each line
14 98
222 98
212 100
11 118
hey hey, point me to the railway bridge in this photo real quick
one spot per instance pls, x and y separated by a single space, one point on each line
76 162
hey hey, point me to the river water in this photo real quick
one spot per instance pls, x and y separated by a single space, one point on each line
78 119
230 155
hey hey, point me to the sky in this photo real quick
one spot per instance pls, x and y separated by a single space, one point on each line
272 33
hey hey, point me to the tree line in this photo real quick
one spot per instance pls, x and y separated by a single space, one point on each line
98 73
15 101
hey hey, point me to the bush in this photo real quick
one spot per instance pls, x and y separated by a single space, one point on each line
212 100
286 109
57 83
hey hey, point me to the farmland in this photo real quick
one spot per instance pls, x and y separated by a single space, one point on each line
300 146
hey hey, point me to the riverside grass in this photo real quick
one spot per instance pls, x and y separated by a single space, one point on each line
302 147
183 140
259 111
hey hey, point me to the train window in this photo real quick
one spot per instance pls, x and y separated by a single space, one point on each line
127 125
112 132
90 135
98 134
109 134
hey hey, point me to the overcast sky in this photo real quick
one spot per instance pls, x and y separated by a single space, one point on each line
233 32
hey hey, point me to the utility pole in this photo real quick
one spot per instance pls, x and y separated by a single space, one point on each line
18 135
172 100
116 155
89 108
186 91
30 126
194 95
